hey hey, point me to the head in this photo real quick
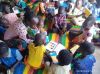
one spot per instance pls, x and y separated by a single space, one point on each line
92 1
39 39
29 14
79 3
44 0
15 43
64 57
86 48
57 4
61 10
89 22
6 7
75 36
34 22
3 49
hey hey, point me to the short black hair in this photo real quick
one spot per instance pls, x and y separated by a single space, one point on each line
13 43
74 33
3 48
90 21
86 48
39 39
64 57
60 9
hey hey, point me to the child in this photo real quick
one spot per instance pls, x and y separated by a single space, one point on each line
36 54
63 67
40 25
5 7
33 28
16 28
19 44
84 60
88 28
10 58
60 21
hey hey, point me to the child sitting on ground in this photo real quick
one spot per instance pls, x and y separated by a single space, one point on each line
19 44
9 57
63 67
16 28
83 59
60 21
36 54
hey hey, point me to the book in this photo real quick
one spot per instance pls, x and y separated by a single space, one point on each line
87 12
54 47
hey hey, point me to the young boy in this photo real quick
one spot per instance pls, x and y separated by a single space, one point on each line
36 54
84 60
63 67
60 21
10 58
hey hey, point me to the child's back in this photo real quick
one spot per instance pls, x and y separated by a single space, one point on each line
63 67
35 55
57 69
84 66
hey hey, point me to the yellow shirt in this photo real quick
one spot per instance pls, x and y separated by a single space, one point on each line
36 55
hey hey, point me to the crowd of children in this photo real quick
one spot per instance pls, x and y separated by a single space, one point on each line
26 27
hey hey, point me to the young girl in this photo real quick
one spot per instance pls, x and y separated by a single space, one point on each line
63 67
36 53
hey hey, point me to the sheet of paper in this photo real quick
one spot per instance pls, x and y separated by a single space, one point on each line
73 49
87 12
51 46
59 48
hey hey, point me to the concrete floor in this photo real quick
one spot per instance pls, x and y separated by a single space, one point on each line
96 69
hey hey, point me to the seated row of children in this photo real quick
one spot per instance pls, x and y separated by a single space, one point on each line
24 36
81 62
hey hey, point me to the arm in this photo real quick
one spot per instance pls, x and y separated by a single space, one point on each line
21 31
19 57
42 7
55 22
72 16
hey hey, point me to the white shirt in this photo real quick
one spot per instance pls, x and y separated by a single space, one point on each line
57 69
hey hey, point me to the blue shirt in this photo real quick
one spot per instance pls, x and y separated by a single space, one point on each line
84 66
12 58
